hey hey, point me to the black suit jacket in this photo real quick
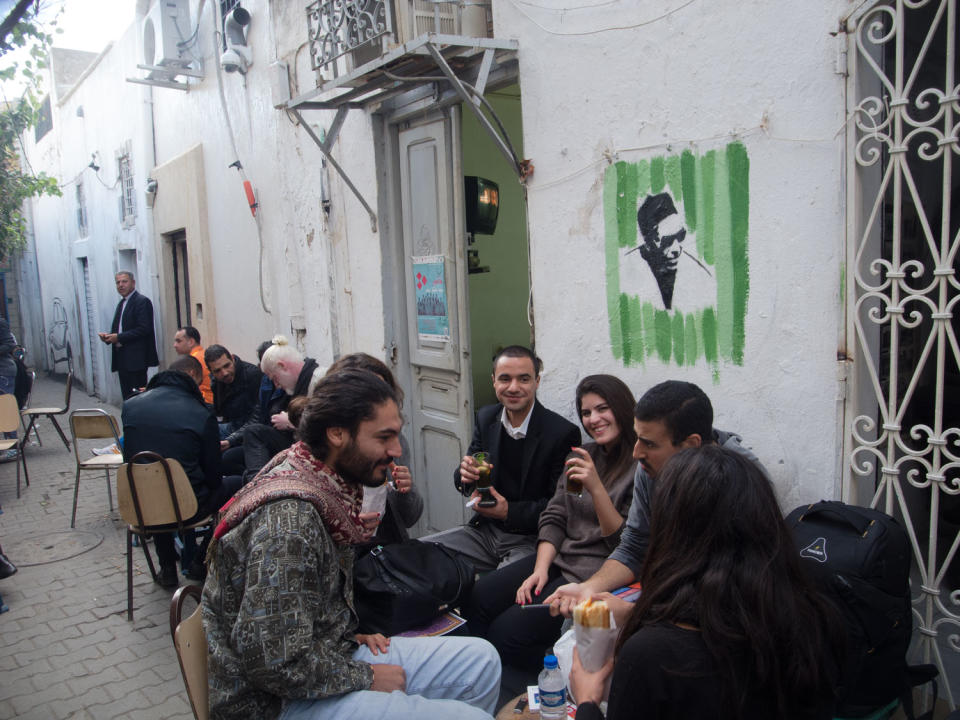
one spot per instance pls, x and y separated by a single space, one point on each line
549 439
137 349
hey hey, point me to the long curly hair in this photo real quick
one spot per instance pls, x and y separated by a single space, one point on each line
722 559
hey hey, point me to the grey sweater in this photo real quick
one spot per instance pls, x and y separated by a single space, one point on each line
570 524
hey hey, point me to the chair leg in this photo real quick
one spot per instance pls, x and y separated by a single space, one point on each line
53 419
32 425
76 492
23 459
109 491
19 460
129 575
145 544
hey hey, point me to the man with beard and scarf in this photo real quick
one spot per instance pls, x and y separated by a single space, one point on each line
278 607
297 375
669 417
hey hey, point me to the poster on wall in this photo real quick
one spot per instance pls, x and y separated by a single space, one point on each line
677 257
433 322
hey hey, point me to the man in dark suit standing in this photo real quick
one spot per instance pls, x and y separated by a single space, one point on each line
134 346
527 445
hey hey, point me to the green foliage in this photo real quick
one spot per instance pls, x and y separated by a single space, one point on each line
17 183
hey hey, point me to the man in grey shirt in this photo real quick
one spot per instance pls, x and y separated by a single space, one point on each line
670 417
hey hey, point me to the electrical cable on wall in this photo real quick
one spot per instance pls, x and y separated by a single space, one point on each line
633 26
247 186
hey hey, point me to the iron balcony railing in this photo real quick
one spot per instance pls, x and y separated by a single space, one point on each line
363 30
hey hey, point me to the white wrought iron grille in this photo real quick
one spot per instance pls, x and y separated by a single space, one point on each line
903 411
339 26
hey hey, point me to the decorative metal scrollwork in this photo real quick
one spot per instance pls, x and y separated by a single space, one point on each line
338 26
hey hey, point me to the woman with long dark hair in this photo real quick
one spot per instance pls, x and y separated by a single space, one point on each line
576 533
728 625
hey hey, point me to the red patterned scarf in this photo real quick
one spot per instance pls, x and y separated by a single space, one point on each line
295 473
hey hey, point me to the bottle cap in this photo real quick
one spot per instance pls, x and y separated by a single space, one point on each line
550 662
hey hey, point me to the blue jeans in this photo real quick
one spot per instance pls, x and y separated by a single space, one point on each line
447 677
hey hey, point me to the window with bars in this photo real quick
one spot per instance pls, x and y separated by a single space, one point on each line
81 210
128 206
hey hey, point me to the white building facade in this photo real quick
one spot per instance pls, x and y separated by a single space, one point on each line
805 150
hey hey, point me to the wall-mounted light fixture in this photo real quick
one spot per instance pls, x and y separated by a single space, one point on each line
93 163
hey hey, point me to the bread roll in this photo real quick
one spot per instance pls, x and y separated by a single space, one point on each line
592 614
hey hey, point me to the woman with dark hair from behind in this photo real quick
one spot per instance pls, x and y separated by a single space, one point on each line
404 505
728 626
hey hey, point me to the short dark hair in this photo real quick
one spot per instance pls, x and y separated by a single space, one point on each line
653 210
681 406
342 399
191 332
364 361
215 352
262 348
519 351
187 364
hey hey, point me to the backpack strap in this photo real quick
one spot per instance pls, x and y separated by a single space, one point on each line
919 675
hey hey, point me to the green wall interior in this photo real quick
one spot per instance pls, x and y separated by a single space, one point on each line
498 299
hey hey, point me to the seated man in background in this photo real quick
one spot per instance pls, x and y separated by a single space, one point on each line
287 368
527 445
236 388
670 417
186 341
278 604
171 419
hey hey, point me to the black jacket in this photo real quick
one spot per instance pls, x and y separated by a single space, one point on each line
136 347
171 419
238 402
549 439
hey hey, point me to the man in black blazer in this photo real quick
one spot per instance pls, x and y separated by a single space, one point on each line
131 336
527 445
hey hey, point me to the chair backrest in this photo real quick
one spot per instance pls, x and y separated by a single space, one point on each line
152 493
191 645
66 399
92 424
9 409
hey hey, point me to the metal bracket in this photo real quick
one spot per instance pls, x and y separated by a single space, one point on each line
469 101
335 128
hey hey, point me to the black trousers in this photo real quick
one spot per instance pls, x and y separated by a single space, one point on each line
520 636
130 381
260 444
163 542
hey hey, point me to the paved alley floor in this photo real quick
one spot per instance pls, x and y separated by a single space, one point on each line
66 647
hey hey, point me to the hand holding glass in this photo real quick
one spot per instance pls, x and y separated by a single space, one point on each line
484 480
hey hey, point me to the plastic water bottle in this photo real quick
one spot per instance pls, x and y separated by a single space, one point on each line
553 690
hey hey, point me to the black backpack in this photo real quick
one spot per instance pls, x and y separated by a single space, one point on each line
406 585
23 383
860 559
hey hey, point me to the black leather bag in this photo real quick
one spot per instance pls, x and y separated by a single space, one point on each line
406 585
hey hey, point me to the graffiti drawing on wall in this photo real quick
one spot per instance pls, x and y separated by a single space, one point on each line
676 257
60 349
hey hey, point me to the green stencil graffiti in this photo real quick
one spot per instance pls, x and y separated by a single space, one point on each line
676 257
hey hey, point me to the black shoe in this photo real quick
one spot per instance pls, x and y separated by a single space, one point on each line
7 568
197 572
168 576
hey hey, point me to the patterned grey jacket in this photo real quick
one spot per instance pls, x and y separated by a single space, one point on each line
278 614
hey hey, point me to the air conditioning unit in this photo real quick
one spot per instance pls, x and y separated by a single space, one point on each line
413 18
167 24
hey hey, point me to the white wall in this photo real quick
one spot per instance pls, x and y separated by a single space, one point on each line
711 73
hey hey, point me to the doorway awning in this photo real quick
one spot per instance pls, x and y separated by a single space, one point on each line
464 64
